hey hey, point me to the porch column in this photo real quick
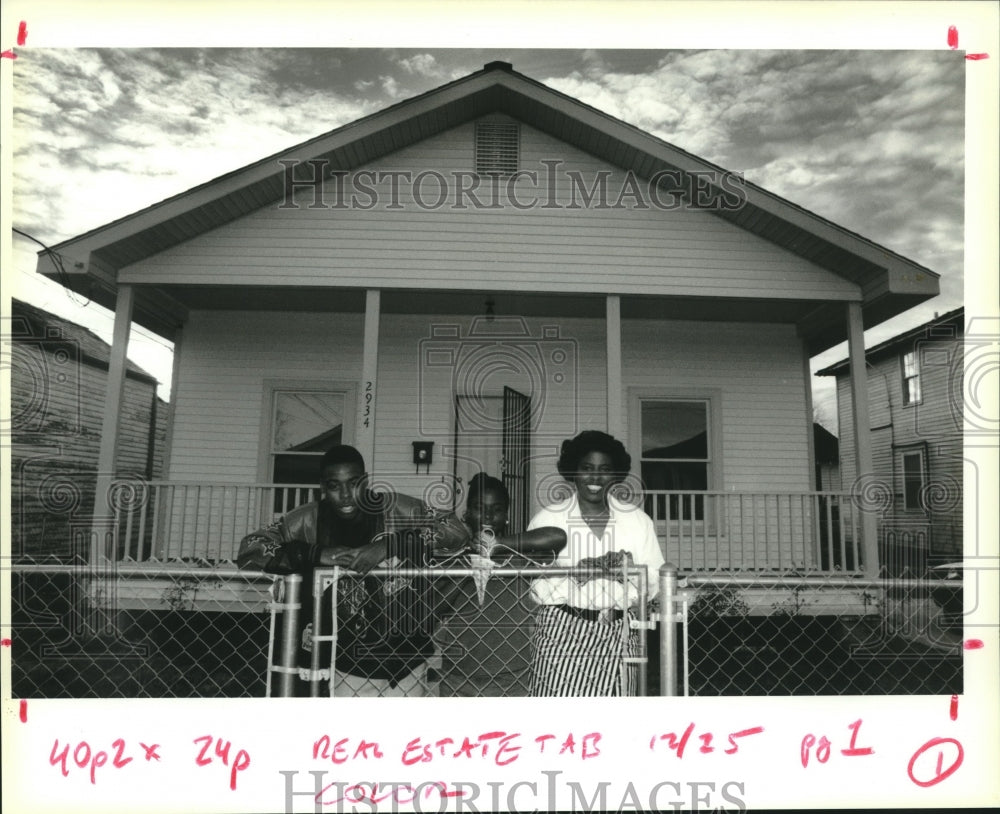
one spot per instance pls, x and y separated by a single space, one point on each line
102 535
613 322
364 436
862 429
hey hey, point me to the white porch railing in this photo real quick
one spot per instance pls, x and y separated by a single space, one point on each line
785 531
167 520
799 531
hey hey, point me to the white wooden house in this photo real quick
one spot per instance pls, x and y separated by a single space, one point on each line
493 266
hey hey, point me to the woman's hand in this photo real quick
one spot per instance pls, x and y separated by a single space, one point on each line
609 564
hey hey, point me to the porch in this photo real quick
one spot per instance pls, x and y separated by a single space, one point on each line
800 532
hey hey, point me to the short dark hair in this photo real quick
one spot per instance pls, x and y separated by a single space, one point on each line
481 482
342 454
574 449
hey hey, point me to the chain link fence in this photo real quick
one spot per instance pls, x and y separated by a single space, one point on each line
758 634
139 631
442 631
183 631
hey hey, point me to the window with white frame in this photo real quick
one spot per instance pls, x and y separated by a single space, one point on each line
911 378
676 455
304 424
911 469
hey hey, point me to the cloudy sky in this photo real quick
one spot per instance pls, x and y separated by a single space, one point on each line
872 140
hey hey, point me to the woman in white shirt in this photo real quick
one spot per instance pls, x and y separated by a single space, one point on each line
582 633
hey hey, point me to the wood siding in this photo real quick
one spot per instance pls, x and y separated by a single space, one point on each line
225 358
502 247
758 368
416 399
560 362
933 426
57 408
754 373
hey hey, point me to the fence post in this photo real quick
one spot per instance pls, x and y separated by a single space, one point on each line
668 630
287 661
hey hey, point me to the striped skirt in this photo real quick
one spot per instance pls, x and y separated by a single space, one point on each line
576 657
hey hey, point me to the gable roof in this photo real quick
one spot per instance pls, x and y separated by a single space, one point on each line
890 283
29 323
946 326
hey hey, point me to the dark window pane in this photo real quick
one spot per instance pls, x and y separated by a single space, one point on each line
686 476
913 481
675 429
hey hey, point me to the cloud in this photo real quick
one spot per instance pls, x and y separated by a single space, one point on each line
421 65
103 133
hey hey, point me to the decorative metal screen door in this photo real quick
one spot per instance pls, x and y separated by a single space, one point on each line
516 449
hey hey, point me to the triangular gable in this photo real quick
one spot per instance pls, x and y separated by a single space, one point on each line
890 283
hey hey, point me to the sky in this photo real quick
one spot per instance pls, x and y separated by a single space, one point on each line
872 140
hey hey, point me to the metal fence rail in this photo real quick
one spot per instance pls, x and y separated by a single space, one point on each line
771 634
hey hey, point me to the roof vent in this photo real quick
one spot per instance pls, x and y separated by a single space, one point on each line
497 147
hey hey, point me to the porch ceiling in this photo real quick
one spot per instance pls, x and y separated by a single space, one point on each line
886 278
820 325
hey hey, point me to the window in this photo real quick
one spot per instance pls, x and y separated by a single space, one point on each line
303 425
912 469
497 144
911 378
676 454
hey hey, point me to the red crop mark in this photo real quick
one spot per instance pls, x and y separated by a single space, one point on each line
22 37
953 708
973 644
977 56
24 711
6 642
952 37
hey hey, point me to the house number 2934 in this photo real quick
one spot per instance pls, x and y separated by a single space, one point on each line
369 402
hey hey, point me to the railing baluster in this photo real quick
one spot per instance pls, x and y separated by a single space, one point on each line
222 522
129 515
140 543
843 535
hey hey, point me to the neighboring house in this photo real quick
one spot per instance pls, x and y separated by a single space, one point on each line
59 377
494 266
915 397
826 448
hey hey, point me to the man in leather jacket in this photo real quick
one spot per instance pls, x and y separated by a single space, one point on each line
384 624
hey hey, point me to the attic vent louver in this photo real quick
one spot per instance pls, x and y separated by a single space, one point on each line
497 147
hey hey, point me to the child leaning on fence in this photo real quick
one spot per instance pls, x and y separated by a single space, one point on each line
384 624
486 641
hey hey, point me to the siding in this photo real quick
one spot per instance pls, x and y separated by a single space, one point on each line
645 251
225 358
934 425
559 362
765 428
57 410
416 400
759 370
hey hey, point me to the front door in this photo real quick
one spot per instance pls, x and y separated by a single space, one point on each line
492 436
